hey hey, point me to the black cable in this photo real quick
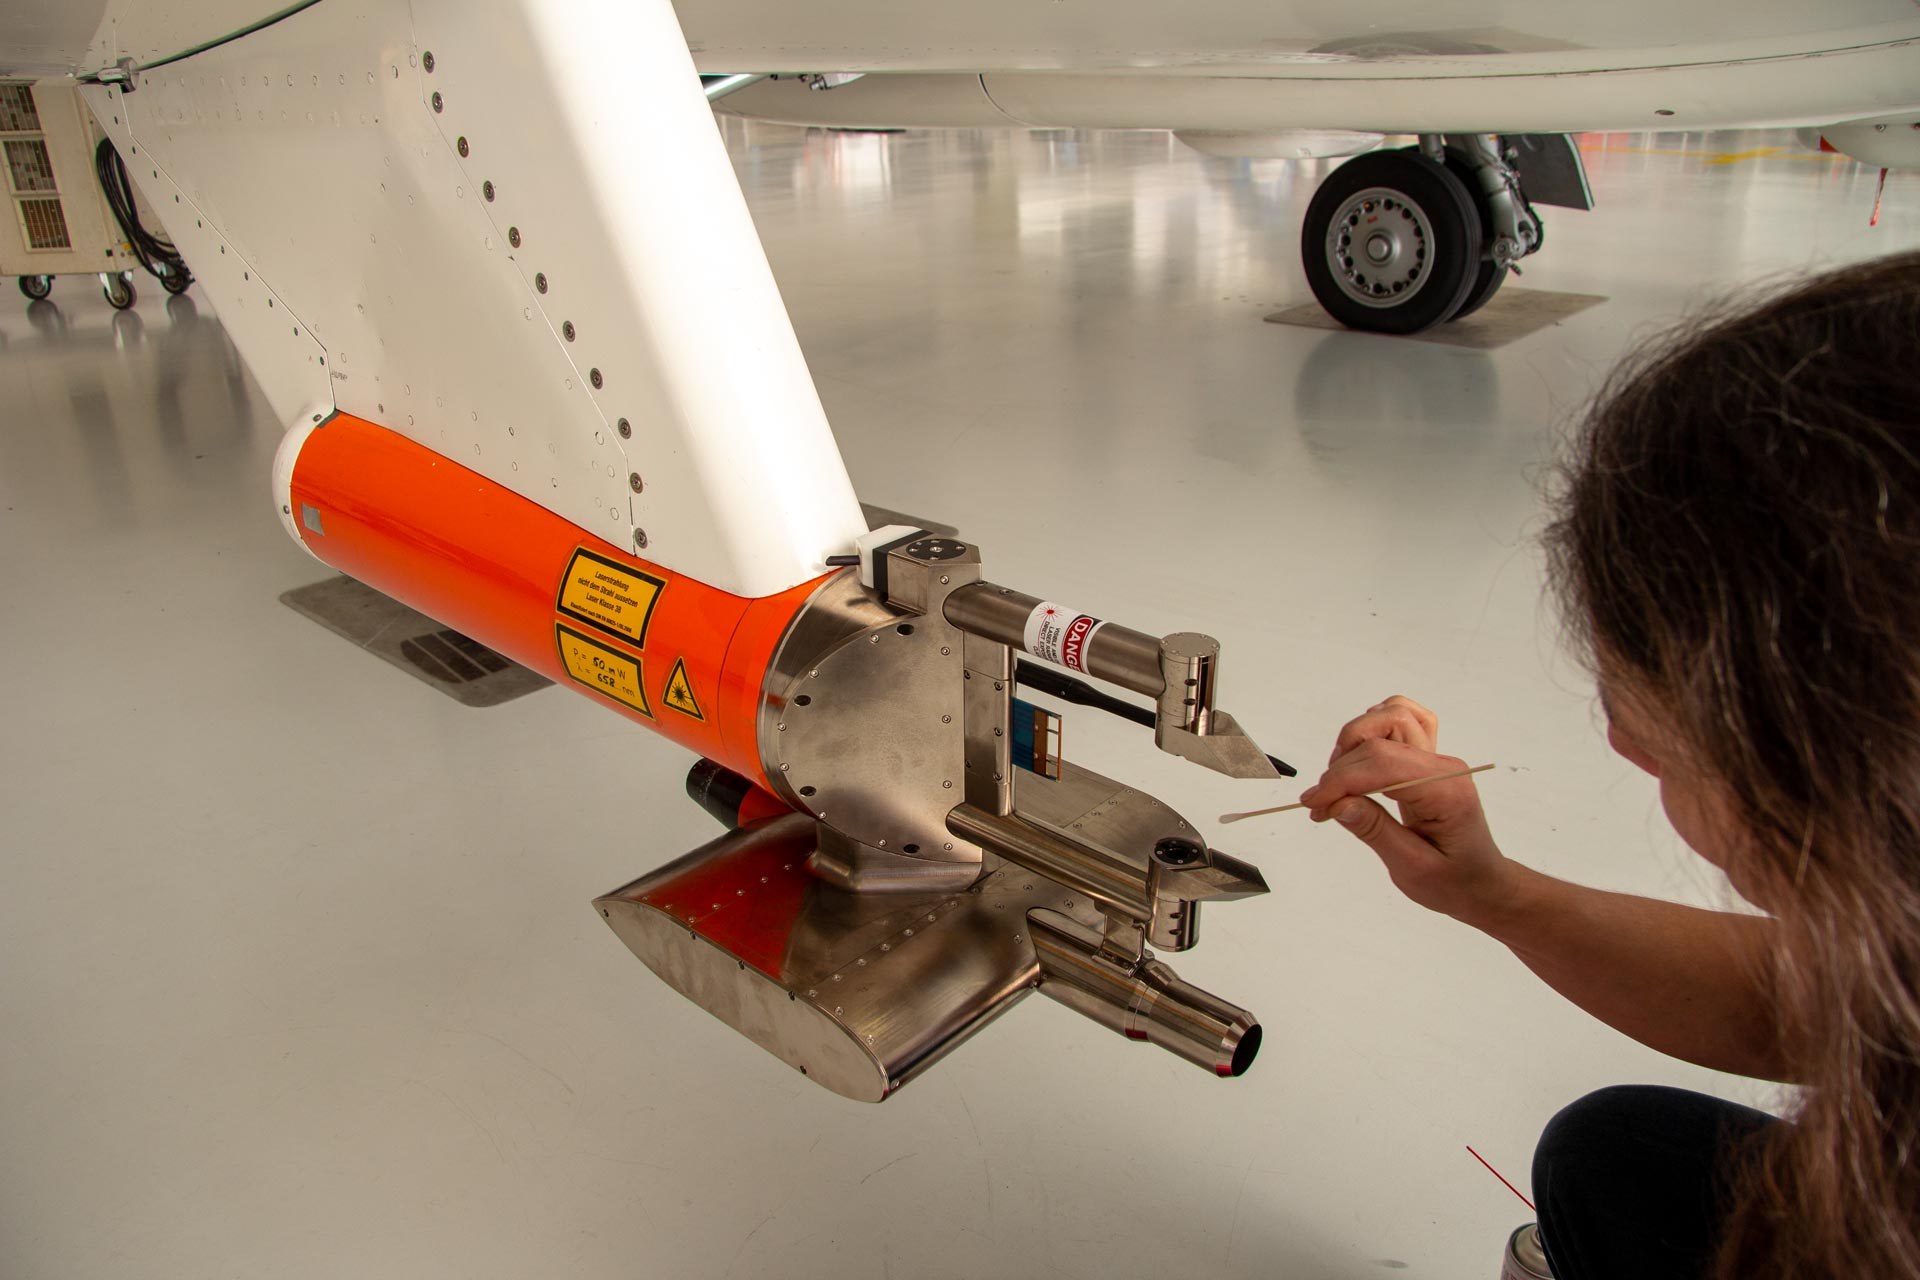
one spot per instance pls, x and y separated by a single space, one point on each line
156 253
230 37
1067 689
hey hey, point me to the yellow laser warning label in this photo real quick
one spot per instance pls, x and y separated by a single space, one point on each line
605 671
611 596
679 692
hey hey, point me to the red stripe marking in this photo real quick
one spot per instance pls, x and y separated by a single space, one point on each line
1503 1182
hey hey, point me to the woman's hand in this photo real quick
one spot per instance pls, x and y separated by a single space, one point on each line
1439 853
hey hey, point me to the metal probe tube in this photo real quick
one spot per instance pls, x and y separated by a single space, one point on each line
1146 1001
1128 658
1106 880
725 85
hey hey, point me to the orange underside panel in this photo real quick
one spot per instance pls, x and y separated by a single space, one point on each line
685 659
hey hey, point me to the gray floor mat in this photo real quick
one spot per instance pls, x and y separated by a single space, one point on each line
1510 315
457 666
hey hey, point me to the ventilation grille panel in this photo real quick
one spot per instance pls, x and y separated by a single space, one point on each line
17 112
45 223
29 167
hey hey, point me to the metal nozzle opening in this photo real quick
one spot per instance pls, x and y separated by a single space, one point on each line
1144 1001
1245 1051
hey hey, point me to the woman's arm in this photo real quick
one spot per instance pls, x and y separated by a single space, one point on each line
1688 982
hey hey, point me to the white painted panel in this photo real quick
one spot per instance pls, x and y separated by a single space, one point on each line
275 341
1365 38
154 29
314 148
46 37
1785 91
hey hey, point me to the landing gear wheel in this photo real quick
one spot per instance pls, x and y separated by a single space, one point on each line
118 290
36 287
1391 243
177 282
1489 275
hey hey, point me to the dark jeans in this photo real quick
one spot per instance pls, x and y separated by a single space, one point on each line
1632 1182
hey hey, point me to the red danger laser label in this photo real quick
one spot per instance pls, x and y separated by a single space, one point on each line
1058 634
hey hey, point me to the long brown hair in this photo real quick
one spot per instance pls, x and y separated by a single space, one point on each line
1738 535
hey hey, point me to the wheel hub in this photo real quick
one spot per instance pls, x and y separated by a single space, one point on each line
1377 247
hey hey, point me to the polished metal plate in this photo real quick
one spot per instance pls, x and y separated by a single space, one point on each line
860 992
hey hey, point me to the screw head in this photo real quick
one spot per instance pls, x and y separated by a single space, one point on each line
540 281
593 376
640 540
626 432
461 146
426 60
633 481
437 103
566 330
486 189
513 236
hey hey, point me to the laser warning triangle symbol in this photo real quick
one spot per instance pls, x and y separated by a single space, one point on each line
679 692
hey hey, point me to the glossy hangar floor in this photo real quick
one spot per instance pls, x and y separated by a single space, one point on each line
298 976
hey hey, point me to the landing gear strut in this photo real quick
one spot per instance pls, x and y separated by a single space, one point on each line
1399 241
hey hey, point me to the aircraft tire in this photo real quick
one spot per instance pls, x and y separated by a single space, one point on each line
1489 275
36 287
1420 253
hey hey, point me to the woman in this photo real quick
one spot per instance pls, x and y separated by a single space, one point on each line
1737 552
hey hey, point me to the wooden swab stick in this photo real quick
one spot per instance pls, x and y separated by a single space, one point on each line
1398 786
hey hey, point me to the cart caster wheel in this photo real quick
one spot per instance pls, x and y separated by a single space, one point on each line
177 282
36 287
118 291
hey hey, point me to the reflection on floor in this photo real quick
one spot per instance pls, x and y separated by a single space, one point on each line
296 965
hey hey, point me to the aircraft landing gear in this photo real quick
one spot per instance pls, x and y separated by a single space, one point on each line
1399 241
36 287
1510 228
1390 242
